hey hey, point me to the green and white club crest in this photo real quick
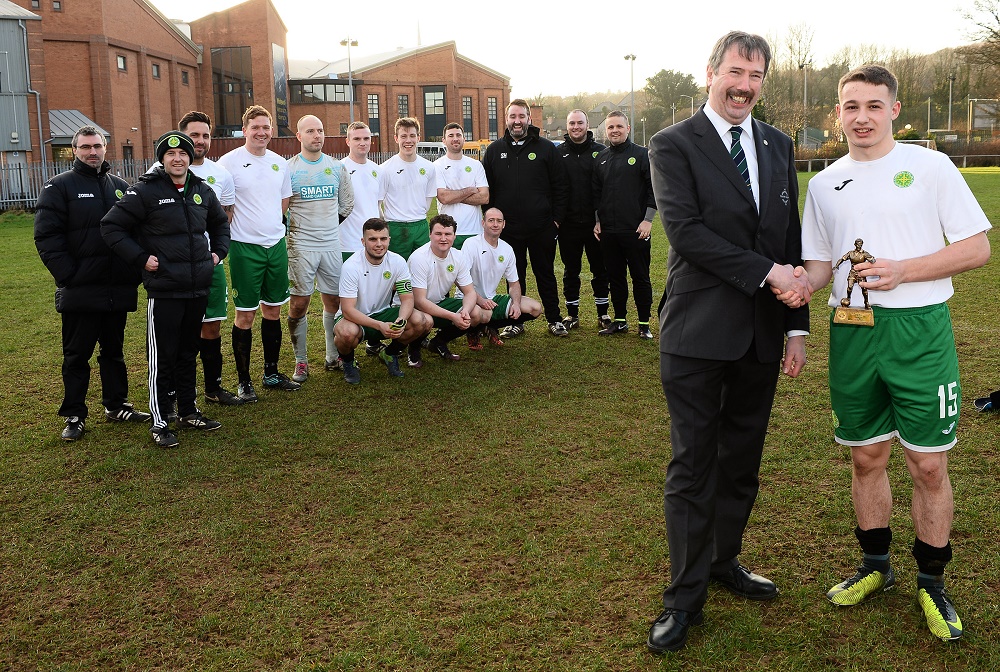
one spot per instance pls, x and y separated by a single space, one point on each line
274 167
531 156
197 199
386 275
451 268
119 193
173 141
631 160
903 179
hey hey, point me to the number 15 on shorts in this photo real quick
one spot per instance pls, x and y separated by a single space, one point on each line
948 399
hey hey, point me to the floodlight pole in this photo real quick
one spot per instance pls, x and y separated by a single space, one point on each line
348 42
804 67
968 128
951 82
631 112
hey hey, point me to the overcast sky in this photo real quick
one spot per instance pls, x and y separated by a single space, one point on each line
585 51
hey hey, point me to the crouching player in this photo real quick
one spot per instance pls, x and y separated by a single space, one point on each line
436 267
491 260
376 301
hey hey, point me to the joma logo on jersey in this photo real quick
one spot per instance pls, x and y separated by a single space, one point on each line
164 201
85 196
322 191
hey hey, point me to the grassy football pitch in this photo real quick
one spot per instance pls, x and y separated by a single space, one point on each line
503 512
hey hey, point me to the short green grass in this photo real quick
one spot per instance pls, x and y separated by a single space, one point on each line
502 512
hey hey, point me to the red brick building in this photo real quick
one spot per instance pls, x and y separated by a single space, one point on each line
245 63
126 68
435 84
123 66
120 63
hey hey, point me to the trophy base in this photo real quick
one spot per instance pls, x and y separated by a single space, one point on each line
859 317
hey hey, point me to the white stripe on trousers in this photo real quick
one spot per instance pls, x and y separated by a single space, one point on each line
152 356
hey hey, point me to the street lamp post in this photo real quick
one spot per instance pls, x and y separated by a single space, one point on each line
348 42
673 113
951 82
643 120
631 112
691 98
928 117
804 67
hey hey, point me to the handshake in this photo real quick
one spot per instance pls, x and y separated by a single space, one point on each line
790 285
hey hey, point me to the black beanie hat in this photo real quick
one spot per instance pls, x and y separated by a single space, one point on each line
173 140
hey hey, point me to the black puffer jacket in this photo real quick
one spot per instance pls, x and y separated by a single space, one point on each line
527 184
89 276
154 219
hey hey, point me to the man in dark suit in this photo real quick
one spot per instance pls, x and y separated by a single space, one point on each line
726 188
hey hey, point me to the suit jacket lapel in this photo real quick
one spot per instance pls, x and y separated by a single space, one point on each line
763 166
709 142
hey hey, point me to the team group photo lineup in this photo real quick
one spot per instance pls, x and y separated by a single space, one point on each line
421 265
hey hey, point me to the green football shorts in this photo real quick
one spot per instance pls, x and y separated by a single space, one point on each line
502 310
898 378
218 296
450 304
405 237
259 274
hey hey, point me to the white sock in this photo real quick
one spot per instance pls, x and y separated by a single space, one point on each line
331 349
297 329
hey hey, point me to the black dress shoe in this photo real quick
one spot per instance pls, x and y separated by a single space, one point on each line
670 630
741 581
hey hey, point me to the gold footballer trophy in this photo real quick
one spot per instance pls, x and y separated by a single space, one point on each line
844 314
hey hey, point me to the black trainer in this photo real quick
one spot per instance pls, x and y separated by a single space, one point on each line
164 438
246 393
617 327
352 374
127 413
74 429
279 381
413 358
223 397
512 331
442 350
391 363
198 421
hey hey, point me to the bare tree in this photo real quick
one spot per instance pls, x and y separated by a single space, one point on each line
985 18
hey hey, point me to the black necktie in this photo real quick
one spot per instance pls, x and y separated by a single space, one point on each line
739 158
